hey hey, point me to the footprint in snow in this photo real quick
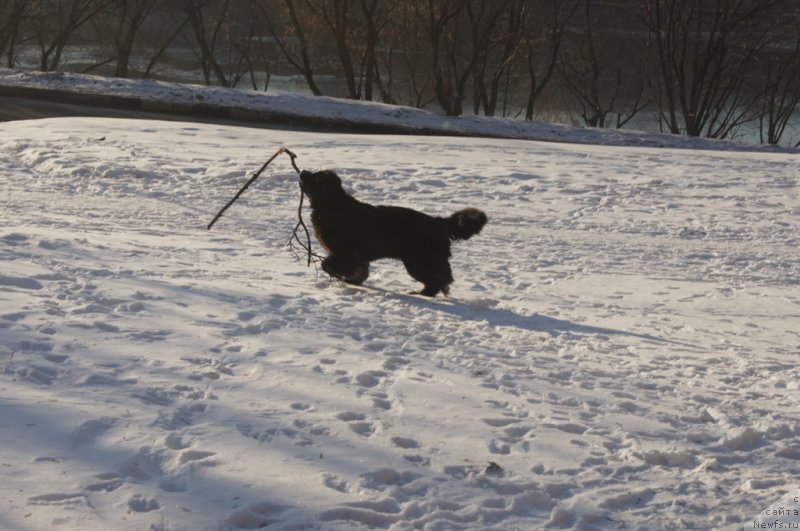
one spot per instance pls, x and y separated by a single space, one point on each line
90 430
106 327
500 423
140 504
104 379
381 401
56 358
184 416
381 478
406 443
143 466
14 238
335 483
35 374
370 378
258 515
35 346
499 447
349 416
303 435
194 455
108 482
568 427
357 423
365 429
156 396
20 282
394 363
59 498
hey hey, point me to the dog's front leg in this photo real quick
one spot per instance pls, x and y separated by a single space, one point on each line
352 271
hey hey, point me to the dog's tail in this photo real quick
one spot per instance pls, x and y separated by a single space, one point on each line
466 223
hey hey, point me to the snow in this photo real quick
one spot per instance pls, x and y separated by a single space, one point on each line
281 106
619 349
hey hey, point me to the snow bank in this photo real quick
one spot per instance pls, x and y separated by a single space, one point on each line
293 108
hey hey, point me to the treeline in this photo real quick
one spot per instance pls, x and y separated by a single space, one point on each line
700 67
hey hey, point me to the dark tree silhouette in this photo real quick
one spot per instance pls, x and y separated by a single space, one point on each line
703 54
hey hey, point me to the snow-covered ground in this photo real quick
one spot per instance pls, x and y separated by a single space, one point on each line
619 351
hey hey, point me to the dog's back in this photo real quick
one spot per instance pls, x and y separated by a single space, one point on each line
397 232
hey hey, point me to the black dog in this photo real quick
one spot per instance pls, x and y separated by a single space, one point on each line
355 233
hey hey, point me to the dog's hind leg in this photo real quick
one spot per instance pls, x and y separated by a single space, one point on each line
434 274
351 271
359 274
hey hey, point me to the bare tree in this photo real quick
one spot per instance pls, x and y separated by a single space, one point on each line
376 15
340 23
258 59
452 60
12 14
345 39
54 22
288 23
131 15
597 71
405 75
543 38
224 38
350 39
206 35
497 31
779 77
120 25
704 54
162 29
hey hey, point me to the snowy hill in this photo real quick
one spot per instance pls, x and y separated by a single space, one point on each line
317 111
619 350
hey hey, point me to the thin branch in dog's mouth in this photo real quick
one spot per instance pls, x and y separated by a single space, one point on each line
297 246
295 241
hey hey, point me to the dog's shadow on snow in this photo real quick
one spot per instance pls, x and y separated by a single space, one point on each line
503 317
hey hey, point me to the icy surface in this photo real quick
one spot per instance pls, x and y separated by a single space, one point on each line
620 350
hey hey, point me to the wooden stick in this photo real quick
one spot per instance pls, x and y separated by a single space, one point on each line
307 247
292 156
251 181
300 223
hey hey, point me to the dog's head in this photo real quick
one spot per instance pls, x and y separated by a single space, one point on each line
321 186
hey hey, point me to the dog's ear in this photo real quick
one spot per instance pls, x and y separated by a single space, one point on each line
331 177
